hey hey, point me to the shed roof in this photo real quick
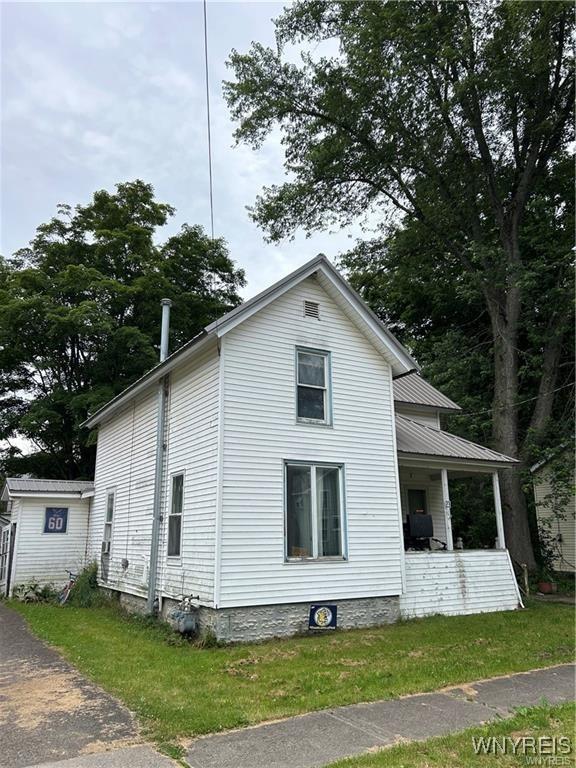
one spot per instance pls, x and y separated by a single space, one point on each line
562 448
31 486
418 439
414 390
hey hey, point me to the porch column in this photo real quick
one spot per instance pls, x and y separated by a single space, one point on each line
447 514
501 541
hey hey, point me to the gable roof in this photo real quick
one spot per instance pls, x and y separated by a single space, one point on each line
412 389
29 486
420 439
332 282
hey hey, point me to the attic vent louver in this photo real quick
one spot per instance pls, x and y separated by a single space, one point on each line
311 309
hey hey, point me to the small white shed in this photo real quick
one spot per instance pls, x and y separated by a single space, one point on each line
556 509
46 531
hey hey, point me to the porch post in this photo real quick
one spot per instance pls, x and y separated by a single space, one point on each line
498 509
447 515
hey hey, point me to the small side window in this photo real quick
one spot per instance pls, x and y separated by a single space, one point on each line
107 538
175 517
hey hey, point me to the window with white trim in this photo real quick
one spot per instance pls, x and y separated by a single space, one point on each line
314 511
175 516
108 522
313 386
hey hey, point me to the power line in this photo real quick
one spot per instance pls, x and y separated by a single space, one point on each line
208 118
520 402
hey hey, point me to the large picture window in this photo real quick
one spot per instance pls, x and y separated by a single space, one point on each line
313 511
312 384
175 517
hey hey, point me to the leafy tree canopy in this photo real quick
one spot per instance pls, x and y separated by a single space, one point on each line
80 317
446 128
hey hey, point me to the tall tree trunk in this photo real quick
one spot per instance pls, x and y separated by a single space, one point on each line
504 310
550 364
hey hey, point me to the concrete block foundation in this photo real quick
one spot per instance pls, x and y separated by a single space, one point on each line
263 622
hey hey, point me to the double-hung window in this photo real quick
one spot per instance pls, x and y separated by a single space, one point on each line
314 511
175 516
108 522
313 386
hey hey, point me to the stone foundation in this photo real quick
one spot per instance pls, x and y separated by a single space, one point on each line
264 622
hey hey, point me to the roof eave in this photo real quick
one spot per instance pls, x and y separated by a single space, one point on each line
457 461
429 406
45 494
318 264
151 377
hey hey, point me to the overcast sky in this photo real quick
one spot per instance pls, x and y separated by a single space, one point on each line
97 93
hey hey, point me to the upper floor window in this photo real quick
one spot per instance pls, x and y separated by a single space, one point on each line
313 386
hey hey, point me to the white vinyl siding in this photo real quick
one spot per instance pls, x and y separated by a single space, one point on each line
192 450
562 528
45 556
126 460
261 434
426 416
125 465
477 581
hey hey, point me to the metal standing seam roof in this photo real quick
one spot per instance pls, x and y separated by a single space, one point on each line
419 439
414 390
17 485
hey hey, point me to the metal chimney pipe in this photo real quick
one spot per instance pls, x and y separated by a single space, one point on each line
163 385
166 304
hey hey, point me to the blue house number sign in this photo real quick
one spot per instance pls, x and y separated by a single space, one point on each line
56 520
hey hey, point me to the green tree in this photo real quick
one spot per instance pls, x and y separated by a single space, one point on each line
447 116
80 318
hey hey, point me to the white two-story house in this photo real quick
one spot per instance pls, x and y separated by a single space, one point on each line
291 456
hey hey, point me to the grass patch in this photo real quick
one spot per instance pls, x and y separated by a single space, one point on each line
457 749
181 690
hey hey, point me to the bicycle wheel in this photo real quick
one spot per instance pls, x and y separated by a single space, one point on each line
63 596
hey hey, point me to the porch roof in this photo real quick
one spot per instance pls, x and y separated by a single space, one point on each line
413 439
412 389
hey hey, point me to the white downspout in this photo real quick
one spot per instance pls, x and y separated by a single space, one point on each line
151 604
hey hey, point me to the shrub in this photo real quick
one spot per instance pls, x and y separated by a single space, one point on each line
33 592
86 593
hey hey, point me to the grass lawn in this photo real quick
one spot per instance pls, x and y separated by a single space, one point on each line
458 750
181 690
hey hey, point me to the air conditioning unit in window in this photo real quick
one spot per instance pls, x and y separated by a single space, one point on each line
105 547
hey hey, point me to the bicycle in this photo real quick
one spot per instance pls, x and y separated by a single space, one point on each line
63 596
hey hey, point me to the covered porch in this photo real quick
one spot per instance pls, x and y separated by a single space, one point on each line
443 574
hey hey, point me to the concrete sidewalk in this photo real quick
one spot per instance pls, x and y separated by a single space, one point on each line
319 738
50 713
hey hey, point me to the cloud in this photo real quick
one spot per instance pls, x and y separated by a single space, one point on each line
98 93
